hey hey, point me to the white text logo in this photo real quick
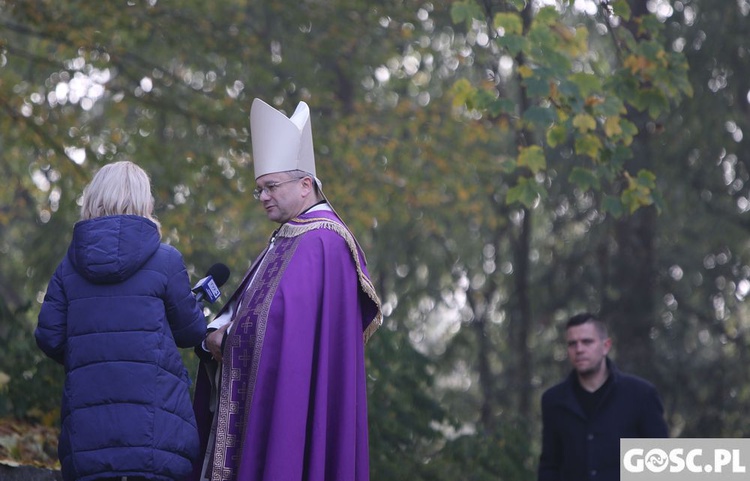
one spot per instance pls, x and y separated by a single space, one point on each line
677 460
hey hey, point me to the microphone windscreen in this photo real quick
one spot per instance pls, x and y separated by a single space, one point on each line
219 272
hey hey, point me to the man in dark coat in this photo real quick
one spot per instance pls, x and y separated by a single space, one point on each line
585 416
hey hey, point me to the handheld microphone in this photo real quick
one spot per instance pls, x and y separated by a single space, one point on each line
208 287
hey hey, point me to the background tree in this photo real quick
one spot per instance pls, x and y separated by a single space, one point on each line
504 163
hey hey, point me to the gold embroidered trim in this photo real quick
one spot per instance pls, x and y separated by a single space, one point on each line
289 230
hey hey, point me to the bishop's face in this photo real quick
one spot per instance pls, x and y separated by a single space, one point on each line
587 348
282 195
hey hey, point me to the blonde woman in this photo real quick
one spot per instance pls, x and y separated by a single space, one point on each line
116 311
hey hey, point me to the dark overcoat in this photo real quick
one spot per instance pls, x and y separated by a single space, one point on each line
576 447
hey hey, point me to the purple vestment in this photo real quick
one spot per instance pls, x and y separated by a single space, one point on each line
292 401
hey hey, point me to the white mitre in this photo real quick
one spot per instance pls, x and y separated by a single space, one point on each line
281 144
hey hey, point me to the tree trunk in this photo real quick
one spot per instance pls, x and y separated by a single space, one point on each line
631 313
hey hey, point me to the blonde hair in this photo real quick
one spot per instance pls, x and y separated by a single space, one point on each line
116 189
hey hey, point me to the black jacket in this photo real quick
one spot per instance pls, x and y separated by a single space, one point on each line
579 448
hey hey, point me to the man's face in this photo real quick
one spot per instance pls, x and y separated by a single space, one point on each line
586 348
282 196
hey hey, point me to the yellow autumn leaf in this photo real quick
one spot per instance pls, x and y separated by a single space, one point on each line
612 126
563 31
462 90
584 123
532 157
593 100
525 71
511 23
637 64
554 92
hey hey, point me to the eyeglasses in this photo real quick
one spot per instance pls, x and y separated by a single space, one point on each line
270 188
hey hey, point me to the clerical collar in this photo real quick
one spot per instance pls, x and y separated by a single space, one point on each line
321 205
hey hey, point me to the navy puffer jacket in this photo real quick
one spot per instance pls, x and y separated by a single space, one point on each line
116 310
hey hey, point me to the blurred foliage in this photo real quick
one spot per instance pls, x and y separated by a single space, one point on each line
28 444
503 165
566 88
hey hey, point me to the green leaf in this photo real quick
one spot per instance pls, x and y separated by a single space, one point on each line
546 52
613 205
658 201
556 135
507 165
678 73
569 89
621 8
501 106
546 16
587 83
589 145
629 130
513 43
620 154
511 23
649 24
558 64
533 158
585 179
537 86
526 192
611 107
459 12
541 117
656 101
623 84
483 99
465 12
646 179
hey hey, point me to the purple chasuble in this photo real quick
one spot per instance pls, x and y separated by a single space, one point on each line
292 401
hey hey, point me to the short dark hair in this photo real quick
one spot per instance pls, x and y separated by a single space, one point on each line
585 317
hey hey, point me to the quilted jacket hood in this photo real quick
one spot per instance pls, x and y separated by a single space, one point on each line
110 249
